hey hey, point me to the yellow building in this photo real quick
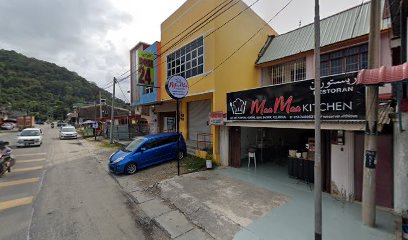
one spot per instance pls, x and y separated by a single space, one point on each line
204 41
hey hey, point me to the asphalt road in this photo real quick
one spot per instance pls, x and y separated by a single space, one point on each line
58 191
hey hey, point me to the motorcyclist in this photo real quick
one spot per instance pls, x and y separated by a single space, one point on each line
52 125
5 151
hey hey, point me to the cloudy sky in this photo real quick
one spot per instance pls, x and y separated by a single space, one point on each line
93 38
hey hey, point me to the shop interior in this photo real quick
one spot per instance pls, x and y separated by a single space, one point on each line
290 152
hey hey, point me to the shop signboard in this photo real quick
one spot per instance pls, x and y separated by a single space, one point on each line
145 71
341 99
216 118
177 87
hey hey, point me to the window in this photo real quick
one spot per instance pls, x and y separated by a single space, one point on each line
147 90
342 61
288 72
187 61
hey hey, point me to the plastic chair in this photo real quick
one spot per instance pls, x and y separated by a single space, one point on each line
253 156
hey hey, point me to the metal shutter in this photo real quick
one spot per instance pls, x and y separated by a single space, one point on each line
197 118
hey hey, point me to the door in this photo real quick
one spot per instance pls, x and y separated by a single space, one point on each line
166 148
198 118
384 170
235 147
150 155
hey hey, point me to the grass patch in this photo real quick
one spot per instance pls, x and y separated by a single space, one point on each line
109 145
192 163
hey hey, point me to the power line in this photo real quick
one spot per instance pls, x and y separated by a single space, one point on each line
248 7
198 21
127 100
233 53
229 1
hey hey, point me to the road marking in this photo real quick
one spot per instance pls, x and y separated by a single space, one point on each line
18 182
15 203
27 169
30 161
29 154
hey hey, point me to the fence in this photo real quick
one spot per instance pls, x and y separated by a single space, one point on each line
127 132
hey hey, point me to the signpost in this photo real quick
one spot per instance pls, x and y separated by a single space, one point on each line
177 88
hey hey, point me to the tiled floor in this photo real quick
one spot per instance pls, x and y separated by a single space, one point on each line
295 219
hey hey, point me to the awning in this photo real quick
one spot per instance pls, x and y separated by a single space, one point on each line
383 75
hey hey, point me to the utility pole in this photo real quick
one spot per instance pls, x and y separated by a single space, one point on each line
317 163
95 123
112 111
100 104
370 138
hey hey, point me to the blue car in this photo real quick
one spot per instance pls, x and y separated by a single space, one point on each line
146 151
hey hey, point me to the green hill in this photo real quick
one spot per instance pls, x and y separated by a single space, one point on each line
42 88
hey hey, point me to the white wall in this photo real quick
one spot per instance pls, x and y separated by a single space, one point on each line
401 165
342 168
224 145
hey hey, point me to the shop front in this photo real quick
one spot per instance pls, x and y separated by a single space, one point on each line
276 124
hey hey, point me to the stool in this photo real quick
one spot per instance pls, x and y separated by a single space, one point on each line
251 155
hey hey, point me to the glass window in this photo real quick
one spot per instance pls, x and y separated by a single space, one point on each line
347 60
188 60
288 72
336 66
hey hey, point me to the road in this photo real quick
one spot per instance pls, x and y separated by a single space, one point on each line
58 191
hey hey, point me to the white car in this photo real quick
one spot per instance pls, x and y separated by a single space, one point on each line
68 132
29 137
7 126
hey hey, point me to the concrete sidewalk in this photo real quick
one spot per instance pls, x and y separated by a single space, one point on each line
230 203
294 220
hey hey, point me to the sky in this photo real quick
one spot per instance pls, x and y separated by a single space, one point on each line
93 38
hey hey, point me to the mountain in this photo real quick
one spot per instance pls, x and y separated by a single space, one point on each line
42 88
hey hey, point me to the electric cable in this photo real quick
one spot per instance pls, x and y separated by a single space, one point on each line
223 25
233 53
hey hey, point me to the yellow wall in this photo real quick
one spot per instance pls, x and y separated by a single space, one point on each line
238 73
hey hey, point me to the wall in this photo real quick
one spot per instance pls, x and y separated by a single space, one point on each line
224 145
401 165
149 98
342 168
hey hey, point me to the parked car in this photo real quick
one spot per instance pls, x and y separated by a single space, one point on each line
61 124
146 151
68 132
7 126
39 122
29 137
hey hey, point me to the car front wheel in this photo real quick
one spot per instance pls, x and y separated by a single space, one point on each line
131 168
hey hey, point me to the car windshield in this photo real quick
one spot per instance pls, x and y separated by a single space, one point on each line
68 129
30 133
134 144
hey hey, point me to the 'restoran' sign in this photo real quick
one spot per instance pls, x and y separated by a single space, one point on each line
341 99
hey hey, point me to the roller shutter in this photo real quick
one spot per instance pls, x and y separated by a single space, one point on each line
197 118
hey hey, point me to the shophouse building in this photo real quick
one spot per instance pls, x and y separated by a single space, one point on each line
204 41
275 120
144 79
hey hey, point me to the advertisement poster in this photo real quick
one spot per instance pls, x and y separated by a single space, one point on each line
341 99
145 71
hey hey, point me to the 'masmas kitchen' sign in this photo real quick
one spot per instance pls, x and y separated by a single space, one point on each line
341 99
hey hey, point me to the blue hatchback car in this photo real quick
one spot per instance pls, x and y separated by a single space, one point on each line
145 151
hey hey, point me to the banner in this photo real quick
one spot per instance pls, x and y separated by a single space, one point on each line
341 99
145 69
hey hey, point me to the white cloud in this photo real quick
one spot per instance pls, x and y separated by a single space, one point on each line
93 38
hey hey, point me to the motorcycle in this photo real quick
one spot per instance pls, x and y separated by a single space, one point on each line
52 125
6 160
